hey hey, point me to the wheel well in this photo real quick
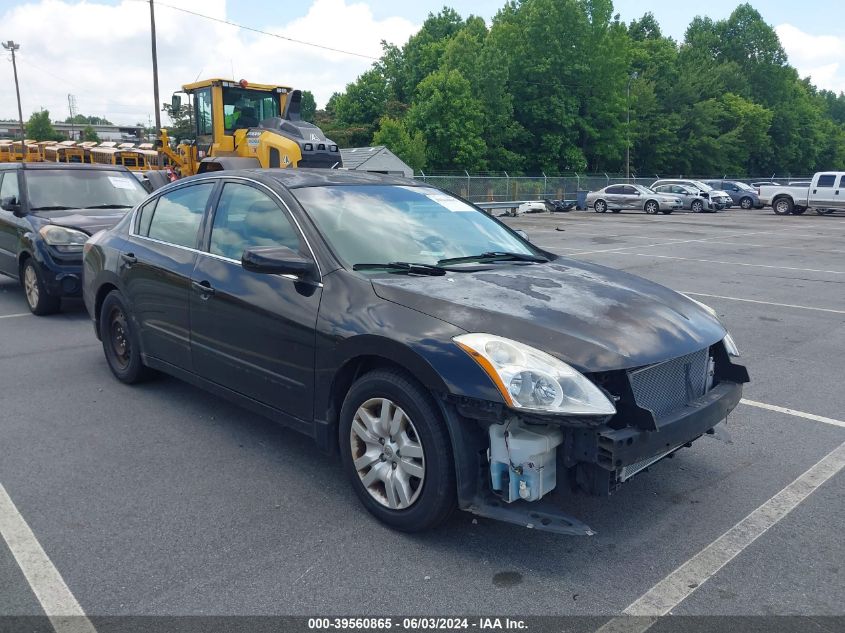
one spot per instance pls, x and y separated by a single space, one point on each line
102 293
595 202
21 261
652 200
782 196
349 372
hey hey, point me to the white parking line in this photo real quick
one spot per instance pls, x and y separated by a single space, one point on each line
671 243
686 579
47 584
12 316
800 414
716 261
768 303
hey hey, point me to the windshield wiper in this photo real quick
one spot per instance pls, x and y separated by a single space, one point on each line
495 256
406 267
56 207
108 206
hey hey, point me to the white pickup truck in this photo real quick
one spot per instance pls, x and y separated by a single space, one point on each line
825 194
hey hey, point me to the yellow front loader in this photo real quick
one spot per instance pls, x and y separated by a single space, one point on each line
239 125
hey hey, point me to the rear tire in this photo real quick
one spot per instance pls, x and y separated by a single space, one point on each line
600 206
40 303
120 341
372 443
782 206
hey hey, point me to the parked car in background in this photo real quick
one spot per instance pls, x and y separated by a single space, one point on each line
763 183
443 359
742 194
615 198
690 197
717 199
47 212
825 194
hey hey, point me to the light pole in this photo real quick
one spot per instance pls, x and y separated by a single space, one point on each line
631 77
12 47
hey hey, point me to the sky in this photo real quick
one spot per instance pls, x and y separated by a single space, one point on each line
99 50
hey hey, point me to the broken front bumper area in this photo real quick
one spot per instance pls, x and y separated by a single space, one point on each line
597 460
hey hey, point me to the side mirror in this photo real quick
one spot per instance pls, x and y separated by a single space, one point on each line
176 102
11 203
522 234
277 260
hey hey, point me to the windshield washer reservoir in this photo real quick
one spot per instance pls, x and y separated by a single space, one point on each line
522 460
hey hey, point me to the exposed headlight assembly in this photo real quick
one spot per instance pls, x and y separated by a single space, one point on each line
730 345
63 239
533 380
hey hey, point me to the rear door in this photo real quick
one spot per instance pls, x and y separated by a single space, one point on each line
10 226
823 193
156 266
254 333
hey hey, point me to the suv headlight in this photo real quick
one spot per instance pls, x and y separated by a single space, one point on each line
533 380
730 345
62 238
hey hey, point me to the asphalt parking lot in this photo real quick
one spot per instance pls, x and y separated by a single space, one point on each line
160 499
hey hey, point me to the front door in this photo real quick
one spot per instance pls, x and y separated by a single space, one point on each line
10 225
156 265
250 332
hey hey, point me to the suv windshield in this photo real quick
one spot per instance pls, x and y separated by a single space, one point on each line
390 223
82 189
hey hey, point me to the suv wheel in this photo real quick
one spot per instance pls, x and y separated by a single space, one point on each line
120 342
396 451
39 302
782 206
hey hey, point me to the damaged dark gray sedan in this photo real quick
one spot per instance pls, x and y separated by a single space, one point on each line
445 359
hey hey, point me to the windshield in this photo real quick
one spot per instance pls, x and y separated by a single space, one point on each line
701 185
388 223
644 189
79 189
247 108
744 186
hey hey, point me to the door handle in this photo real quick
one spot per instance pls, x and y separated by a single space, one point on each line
129 258
203 287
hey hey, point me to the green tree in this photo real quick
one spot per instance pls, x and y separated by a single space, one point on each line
81 119
40 128
182 125
308 106
393 134
89 134
362 105
450 120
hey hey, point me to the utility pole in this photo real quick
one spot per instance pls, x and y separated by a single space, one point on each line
71 108
12 47
631 77
155 65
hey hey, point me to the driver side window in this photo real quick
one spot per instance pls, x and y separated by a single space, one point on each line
9 187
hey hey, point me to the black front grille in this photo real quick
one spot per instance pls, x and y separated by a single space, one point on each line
666 387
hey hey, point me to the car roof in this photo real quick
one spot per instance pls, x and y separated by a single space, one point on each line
296 178
69 166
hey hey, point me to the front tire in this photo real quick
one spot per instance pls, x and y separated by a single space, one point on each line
697 206
651 207
40 303
396 451
120 341
746 203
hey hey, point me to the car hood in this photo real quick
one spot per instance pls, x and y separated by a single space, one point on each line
88 220
592 317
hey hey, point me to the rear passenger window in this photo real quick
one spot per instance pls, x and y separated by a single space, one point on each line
842 182
826 180
247 217
614 189
178 214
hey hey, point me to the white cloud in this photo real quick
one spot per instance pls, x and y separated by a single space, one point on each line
101 53
815 56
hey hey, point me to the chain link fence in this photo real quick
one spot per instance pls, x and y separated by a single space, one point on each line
501 187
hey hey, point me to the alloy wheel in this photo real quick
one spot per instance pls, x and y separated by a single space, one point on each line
30 286
387 453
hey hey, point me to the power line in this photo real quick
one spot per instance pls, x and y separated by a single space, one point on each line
255 30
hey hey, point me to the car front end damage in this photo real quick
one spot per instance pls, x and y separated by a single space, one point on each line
523 467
